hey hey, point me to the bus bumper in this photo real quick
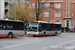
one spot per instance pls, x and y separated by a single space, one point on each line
35 34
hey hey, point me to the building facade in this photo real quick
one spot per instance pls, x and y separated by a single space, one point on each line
66 17
1 9
23 1
4 7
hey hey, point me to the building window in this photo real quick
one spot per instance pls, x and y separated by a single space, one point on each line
67 21
67 8
72 6
30 5
57 21
22 1
57 5
31 14
57 14
46 4
27 0
33 5
12 1
72 14
17 1
22 5
46 14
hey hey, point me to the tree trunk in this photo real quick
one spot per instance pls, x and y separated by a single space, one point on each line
37 17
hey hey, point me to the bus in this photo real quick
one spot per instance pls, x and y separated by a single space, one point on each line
42 28
11 28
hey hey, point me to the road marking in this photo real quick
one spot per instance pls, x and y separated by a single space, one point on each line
19 45
69 36
23 37
45 48
61 44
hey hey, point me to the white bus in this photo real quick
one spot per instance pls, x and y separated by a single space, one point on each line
41 28
11 28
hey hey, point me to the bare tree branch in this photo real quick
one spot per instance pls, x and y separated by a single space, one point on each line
39 7
32 8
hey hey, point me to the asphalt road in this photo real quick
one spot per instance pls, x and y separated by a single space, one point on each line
65 41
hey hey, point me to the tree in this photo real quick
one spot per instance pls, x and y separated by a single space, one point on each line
39 7
23 11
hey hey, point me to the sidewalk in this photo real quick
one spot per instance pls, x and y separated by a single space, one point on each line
68 32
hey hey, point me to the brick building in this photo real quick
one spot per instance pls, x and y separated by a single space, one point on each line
66 17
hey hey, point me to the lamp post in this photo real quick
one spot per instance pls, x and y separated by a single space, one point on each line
14 9
53 10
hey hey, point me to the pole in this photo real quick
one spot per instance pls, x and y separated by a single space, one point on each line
14 9
53 10
49 17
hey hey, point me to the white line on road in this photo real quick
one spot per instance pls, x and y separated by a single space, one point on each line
65 43
72 47
45 48
19 45
69 36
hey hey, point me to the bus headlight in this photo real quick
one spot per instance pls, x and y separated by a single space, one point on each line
37 33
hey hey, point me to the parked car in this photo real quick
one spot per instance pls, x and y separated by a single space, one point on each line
72 30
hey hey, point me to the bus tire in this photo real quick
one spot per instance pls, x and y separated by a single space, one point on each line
44 34
33 35
55 33
10 35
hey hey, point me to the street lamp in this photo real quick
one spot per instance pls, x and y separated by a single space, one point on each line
53 10
14 9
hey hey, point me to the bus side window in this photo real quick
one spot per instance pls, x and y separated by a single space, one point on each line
57 27
52 27
40 27
7 26
3 26
44 26
11 26
47 27
0 26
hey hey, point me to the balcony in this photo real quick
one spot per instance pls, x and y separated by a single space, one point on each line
6 8
73 2
6 2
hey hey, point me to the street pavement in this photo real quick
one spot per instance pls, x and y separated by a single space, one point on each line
65 41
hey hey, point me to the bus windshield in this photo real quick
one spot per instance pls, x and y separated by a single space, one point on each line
32 27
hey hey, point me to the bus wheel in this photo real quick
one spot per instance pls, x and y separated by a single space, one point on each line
55 33
10 35
33 35
44 34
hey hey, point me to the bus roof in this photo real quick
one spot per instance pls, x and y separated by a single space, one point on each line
44 22
13 20
39 21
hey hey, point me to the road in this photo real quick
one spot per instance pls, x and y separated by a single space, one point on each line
65 41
